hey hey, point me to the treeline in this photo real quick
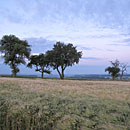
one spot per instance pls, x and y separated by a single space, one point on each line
16 51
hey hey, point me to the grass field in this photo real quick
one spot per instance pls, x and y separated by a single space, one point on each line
36 104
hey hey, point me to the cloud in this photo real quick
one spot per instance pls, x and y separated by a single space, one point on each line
124 42
84 48
127 41
115 44
110 50
104 13
128 44
91 58
9 15
40 45
95 26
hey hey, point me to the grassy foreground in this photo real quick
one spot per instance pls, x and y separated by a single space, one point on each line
35 104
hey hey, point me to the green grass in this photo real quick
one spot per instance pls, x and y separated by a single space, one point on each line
10 76
23 108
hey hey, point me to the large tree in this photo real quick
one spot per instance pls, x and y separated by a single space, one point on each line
114 69
40 62
63 55
15 52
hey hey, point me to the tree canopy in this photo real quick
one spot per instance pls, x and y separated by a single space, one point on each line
40 62
114 70
63 55
15 51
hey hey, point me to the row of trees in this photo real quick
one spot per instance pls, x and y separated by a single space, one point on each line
16 52
117 69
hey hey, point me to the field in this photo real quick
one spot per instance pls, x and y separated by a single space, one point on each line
49 104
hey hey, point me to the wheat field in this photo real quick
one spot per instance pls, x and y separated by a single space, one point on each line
48 104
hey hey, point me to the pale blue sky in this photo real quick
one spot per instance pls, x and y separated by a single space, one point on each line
100 28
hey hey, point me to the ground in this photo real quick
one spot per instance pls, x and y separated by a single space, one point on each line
64 104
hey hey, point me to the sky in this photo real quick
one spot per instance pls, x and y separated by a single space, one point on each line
99 28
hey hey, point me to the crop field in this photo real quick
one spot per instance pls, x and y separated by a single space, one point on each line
49 104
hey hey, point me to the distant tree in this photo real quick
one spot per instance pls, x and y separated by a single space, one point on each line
114 70
62 56
40 62
123 69
15 51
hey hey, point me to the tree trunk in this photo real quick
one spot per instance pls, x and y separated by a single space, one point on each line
121 76
42 75
61 75
13 72
113 77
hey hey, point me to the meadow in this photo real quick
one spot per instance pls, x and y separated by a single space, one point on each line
49 104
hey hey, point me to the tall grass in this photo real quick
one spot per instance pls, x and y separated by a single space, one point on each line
23 108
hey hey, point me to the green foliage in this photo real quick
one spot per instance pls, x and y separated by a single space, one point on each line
114 70
62 56
40 62
15 51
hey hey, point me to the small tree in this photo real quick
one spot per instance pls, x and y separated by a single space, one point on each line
62 56
123 69
40 62
114 70
15 51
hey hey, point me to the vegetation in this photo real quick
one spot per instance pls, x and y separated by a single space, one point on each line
64 105
62 56
117 69
15 51
40 62
123 69
114 70
28 104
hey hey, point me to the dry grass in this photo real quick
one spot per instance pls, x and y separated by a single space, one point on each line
117 90
66 104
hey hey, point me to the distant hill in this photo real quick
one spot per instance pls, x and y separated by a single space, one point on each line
97 76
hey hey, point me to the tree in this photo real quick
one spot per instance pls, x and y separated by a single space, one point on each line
15 51
114 70
62 56
123 69
115 64
40 62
